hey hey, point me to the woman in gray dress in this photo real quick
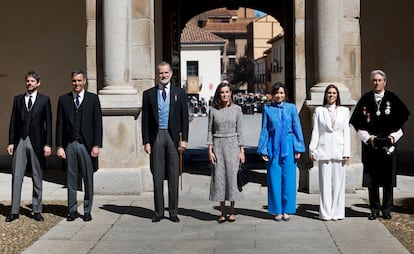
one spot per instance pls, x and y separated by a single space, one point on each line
225 150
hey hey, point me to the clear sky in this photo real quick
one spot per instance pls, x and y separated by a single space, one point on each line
259 14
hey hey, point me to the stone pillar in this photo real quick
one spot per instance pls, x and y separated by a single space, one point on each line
329 53
329 67
116 15
118 162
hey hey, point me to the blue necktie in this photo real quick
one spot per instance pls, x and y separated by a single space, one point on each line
77 101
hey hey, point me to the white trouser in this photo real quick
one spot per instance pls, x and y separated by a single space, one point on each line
332 189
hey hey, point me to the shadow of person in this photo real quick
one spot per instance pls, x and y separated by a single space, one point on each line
196 214
56 209
312 211
6 209
308 211
404 205
249 212
130 210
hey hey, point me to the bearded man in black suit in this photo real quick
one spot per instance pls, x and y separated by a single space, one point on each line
164 117
30 136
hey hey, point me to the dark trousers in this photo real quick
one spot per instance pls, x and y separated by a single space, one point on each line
387 199
78 160
165 165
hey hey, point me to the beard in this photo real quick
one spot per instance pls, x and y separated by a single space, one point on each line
165 81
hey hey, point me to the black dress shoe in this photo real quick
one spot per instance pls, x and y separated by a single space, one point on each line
175 219
373 216
87 217
387 216
72 216
157 218
38 217
12 217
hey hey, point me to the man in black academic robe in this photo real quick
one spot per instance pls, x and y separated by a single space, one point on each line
378 118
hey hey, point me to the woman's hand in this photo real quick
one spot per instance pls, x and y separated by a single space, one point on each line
297 156
264 157
242 158
212 157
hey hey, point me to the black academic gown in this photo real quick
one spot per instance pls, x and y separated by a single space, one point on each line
380 168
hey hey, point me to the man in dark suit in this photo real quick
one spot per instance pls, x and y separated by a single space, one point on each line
164 117
378 118
30 137
78 140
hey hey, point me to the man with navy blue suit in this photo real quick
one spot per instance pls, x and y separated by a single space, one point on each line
164 117
30 137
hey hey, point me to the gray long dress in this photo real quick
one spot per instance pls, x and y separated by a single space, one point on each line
225 134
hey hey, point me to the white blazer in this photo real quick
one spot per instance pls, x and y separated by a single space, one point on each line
330 141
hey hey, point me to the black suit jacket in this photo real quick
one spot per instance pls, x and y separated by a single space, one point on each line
40 123
91 122
178 115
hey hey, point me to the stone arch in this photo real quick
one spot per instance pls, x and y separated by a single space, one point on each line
179 12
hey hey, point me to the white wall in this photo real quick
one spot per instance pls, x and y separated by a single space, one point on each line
208 68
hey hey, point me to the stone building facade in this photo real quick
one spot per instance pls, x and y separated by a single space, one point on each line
119 43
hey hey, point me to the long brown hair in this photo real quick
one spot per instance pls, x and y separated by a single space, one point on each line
338 98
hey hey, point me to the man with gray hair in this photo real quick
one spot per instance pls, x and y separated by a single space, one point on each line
378 118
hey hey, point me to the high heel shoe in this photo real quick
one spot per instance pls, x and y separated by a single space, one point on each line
221 219
285 217
278 218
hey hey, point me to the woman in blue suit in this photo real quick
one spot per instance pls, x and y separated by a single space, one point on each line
280 145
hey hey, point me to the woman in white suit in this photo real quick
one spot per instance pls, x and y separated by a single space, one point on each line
330 146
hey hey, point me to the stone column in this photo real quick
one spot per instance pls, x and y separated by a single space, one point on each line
116 15
329 67
118 162
329 52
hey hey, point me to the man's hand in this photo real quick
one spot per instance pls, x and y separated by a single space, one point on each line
47 151
60 152
182 146
95 151
10 149
147 148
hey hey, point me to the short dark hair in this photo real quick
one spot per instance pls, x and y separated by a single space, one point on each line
217 100
276 86
34 74
338 98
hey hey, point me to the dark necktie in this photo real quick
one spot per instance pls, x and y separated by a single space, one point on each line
77 100
164 94
29 103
